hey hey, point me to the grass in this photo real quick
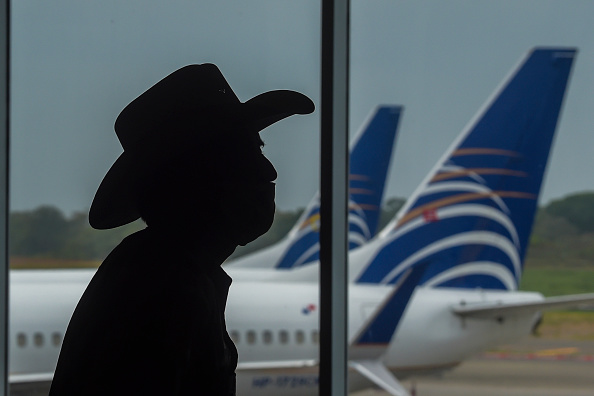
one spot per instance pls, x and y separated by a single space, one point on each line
567 325
46 263
548 281
558 281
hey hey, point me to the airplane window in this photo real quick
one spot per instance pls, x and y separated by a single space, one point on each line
251 337
283 336
315 336
234 336
56 339
22 340
38 339
299 337
267 337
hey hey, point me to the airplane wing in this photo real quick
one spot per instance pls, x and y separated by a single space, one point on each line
277 364
30 384
489 310
36 377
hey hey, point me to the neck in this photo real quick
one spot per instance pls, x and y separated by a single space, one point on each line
203 244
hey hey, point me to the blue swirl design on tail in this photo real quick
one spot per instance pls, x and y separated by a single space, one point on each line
472 217
369 162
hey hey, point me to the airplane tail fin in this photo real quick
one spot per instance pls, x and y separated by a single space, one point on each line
371 152
377 333
472 216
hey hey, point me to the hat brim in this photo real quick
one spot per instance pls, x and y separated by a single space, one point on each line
114 203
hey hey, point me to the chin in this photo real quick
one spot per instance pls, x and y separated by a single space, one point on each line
257 226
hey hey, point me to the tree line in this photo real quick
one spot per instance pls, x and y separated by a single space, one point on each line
47 233
563 233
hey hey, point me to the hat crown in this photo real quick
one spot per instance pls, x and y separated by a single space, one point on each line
192 92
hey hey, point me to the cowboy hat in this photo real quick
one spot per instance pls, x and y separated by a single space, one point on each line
193 100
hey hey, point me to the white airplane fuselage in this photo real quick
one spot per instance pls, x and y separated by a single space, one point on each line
276 324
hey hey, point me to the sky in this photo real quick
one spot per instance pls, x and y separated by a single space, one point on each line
75 65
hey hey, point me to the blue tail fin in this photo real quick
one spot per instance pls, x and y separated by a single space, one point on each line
381 327
472 216
369 162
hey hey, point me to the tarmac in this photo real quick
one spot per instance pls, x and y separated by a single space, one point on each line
531 367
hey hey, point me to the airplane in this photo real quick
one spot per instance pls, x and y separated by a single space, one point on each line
370 154
433 288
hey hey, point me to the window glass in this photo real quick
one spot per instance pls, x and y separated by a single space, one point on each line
443 61
283 336
75 67
299 337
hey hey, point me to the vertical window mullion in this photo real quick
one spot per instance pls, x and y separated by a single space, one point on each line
4 112
334 198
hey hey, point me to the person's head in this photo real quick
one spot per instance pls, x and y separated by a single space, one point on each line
218 186
192 158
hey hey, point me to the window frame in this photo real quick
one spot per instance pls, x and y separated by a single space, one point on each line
4 169
333 199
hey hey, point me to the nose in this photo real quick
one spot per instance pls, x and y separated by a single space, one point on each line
268 170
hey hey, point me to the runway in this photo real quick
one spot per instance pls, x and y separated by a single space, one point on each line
536 367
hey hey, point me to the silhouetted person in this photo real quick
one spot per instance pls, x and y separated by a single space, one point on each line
151 322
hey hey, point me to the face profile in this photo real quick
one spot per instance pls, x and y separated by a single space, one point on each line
248 189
